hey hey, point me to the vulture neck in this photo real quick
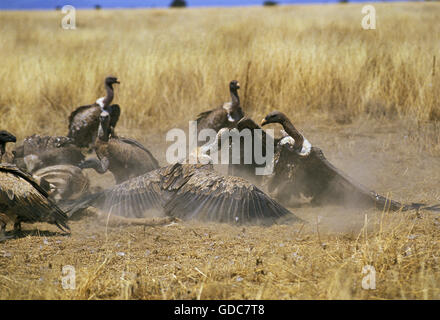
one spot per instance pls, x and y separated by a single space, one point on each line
2 150
235 99
109 96
291 131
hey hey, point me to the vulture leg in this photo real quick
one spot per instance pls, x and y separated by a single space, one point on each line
3 235
17 226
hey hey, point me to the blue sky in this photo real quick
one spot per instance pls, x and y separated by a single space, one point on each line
50 4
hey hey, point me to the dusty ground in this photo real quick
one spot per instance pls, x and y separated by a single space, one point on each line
323 259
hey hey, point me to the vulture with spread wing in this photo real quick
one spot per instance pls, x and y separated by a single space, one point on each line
302 169
187 191
84 121
23 200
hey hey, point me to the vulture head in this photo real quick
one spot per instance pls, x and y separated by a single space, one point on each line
274 117
234 85
293 137
109 81
5 137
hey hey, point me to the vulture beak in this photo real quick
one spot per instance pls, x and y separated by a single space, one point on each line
263 122
117 81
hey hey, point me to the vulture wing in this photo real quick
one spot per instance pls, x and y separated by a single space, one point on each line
128 158
189 192
137 144
83 124
211 197
134 198
115 111
22 197
215 119
315 176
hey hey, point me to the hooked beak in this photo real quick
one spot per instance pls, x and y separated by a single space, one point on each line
117 81
263 122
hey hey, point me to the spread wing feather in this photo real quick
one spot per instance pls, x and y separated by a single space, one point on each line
190 192
211 197
133 197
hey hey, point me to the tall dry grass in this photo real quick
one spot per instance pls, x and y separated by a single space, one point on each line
305 60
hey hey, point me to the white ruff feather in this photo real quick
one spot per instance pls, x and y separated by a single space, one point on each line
306 147
100 102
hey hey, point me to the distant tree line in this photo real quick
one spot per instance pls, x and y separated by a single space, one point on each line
178 4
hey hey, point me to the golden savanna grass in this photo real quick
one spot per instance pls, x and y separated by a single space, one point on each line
369 99
175 63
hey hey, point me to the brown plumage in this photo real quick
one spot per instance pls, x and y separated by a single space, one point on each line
188 191
67 182
23 200
6 137
125 158
225 116
84 121
41 151
302 169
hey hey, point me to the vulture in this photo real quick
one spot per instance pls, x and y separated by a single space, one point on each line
187 191
84 121
301 168
41 151
225 116
66 182
6 137
125 158
23 200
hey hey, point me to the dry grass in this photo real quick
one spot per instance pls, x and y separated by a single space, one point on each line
175 63
192 261
320 260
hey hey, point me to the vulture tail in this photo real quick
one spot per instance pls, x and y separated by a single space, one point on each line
72 207
418 206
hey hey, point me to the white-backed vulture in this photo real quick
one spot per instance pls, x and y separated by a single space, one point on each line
125 158
84 121
225 116
301 168
41 151
23 200
187 191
